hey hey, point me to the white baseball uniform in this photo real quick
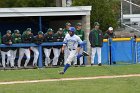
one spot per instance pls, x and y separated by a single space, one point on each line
72 43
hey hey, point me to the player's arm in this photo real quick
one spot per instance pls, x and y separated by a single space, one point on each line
64 44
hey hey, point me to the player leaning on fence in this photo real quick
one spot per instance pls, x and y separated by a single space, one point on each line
96 42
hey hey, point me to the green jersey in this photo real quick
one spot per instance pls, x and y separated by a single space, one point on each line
80 33
65 31
16 39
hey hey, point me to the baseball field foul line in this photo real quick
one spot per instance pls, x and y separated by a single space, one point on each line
68 79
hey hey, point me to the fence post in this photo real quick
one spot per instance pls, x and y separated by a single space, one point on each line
85 49
40 64
110 50
133 46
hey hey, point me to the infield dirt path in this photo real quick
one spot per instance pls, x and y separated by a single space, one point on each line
68 79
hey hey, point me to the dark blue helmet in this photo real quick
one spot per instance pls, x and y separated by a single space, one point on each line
72 29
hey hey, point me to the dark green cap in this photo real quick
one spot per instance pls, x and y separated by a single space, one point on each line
96 24
29 29
16 31
9 31
68 24
60 29
40 33
49 30
79 24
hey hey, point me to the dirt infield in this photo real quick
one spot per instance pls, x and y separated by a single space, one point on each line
68 79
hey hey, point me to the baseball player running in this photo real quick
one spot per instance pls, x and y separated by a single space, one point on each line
27 37
71 41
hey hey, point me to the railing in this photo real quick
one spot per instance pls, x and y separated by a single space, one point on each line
40 63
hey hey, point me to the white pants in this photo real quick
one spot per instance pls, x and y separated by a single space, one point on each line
94 50
3 54
81 58
66 53
12 59
23 51
56 52
36 55
71 56
47 54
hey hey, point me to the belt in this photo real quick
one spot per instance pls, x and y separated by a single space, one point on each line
71 49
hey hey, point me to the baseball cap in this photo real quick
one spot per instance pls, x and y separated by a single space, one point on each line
49 30
72 29
16 31
29 29
110 28
40 33
68 24
96 24
79 24
8 31
60 29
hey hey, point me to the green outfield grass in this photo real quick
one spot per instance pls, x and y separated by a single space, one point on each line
116 85
51 73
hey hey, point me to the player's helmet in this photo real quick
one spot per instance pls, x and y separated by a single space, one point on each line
72 29
29 29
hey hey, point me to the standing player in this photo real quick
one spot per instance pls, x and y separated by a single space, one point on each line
58 37
27 37
79 32
66 30
71 41
96 42
48 37
16 38
38 39
7 40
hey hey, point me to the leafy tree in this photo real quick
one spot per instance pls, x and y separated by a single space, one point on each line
106 12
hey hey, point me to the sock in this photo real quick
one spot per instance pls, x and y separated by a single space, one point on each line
79 55
66 67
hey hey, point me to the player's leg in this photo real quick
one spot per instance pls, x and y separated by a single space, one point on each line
27 53
36 55
81 58
93 55
69 60
99 55
66 53
56 52
47 54
11 58
21 54
14 55
3 58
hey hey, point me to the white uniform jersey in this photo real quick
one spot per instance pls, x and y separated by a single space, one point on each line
72 41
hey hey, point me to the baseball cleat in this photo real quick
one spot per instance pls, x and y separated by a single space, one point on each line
99 64
85 53
61 72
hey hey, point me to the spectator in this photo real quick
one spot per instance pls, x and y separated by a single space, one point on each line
109 33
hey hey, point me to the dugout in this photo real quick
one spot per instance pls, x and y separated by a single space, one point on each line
42 18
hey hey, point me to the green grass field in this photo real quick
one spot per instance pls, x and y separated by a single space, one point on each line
115 85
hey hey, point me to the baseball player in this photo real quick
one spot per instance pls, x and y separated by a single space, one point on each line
58 37
7 40
16 38
71 41
65 31
96 42
27 37
48 37
109 33
79 32
38 39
